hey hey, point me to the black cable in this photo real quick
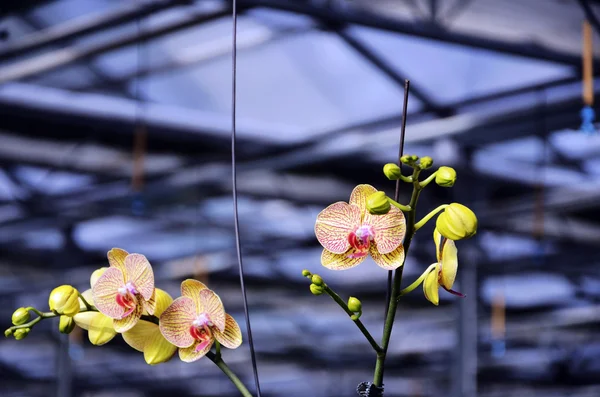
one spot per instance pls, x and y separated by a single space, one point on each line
235 199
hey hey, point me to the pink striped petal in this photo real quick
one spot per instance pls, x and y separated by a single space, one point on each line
212 305
359 196
176 320
126 323
231 337
150 304
389 229
191 288
340 261
195 352
105 293
116 258
334 224
139 272
391 260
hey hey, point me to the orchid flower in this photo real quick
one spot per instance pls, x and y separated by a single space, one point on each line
349 233
125 289
147 338
196 319
100 327
443 273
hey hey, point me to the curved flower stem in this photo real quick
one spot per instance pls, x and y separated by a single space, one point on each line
427 217
227 371
417 281
407 179
358 323
428 180
85 302
393 304
403 208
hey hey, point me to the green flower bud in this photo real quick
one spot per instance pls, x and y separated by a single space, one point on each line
354 305
409 159
21 333
8 332
457 222
392 171
378 203
64 300
66 324
317 280
20 316
445 176
316 290
306 273
426 162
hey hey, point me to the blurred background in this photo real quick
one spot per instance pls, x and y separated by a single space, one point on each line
114 131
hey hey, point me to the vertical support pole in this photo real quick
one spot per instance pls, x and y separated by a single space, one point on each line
64 370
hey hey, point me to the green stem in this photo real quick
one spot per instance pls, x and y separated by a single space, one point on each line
427 217
85 302
428 179
358 323
393 304
227 371
407 179
403 208
417 281
218 349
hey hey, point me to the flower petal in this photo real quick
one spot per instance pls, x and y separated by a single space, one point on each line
211 304
389 261
88 296
189 354
176 320
437 238
137 336
449 264
116 258
191 288
150 304
231 338
100 327
96 275
431 286
334 224
105 292
359 196
139 272
163 300
389 229
126 323
158 349
340 261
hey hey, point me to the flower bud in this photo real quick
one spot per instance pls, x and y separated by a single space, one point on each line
426 162
392 171
378 203
64 300
409 159
317 280
354 305
8 332
21 333
66 324
316 290
306 273
445 176
20 316
456 222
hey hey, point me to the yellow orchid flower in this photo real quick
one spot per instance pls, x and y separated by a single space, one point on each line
147 338
125 289
100 327
196 319
443 273
349 233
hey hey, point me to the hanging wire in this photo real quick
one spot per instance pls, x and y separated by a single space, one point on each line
397 192
234 189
